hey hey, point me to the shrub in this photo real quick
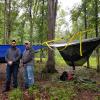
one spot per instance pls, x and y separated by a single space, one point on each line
16 94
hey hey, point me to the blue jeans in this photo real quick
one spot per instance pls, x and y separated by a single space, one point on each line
12 70
28 75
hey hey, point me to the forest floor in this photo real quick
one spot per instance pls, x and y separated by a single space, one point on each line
84 86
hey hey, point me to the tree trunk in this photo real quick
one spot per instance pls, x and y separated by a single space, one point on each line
96 30
30 20
42 29
5 23
85 17
9 21
41 55
85 24
22 32
52 8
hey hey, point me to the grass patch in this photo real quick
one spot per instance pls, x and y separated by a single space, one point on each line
92 62
16 94
61 93
89 86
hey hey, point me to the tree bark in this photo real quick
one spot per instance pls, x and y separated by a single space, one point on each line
30 20
52 9
41 53
22 32
96 30
9 21
85 25
5 23
85 17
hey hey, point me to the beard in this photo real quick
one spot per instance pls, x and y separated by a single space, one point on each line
13 46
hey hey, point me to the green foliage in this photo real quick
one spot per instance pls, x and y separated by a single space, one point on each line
88 86
20 26
62 93
78 17
97 98
61 23
16 94
33 89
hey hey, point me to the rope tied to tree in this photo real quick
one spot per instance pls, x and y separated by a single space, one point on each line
69 41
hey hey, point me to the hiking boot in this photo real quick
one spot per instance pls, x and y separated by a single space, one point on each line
14 86
6 90
26 87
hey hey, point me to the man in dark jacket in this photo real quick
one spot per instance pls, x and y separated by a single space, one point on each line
12 58
28 64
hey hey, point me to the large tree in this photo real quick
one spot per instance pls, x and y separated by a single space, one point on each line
85 25
97 33
7 21
52 9
30 2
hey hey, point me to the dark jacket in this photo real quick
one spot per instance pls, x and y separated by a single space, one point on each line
13 54
28 56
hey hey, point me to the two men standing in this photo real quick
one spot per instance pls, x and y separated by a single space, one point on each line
12 58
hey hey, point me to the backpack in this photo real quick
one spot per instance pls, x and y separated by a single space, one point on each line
64 76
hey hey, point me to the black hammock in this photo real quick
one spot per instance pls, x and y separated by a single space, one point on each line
71 54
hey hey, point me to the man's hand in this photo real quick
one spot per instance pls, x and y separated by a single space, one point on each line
10 62
21 63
